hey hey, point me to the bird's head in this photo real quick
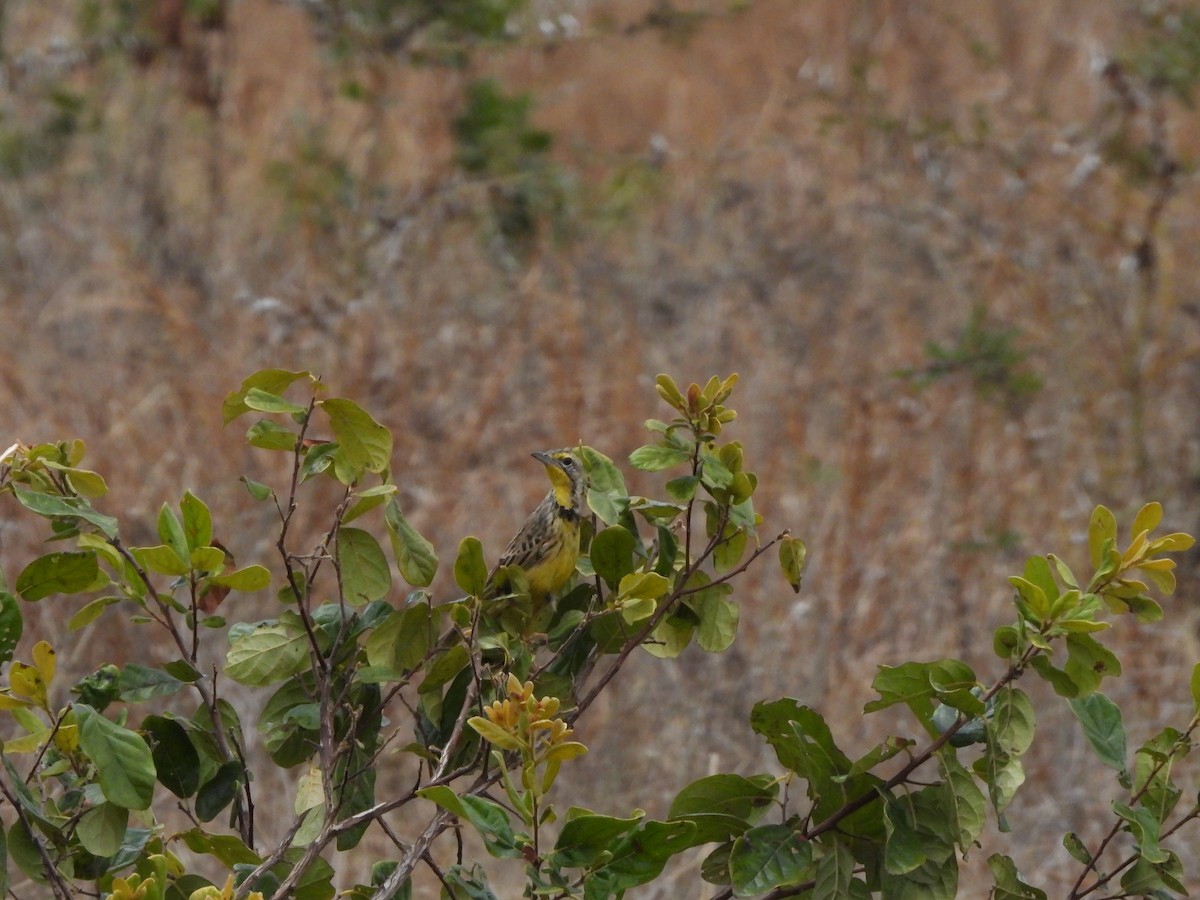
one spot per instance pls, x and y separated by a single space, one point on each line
567 475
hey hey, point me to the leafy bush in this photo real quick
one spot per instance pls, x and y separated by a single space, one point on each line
482 693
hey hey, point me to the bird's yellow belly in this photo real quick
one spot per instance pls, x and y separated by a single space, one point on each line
553 572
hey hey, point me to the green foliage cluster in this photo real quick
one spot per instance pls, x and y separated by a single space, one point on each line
38 144
497 143
1167 58
356 27
482 692
990 357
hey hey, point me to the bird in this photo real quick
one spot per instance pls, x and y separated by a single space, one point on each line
547 545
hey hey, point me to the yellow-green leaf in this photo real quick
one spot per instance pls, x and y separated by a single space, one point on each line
415 556
309 790
1102 528
493 733
643 585
470 571
1147 519
161 559
364 569
271 381
44 660
364 444
792 556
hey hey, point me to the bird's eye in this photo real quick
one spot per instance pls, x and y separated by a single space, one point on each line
568 462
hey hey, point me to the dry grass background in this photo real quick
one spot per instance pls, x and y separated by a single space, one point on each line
828 186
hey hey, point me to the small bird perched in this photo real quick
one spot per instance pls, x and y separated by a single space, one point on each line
547 546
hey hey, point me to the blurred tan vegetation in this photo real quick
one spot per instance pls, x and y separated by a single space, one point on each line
949 247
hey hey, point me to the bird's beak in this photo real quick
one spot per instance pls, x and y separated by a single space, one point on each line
545 458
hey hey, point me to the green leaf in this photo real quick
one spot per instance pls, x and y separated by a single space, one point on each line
586 836
365 445
1195 681
639 856
4 882
467 883
714 473
219 791
72 507
1156 880
669 638
718 622
792 556
100 688
1009 885
269 381
907 683
723 806
1057 678
683 488
140 683
603 475
267 653
1148 518
364 569
444 667
367 500
85 482
1032 600
58 573
267 435
609 507
655 457
668 551
489 819
834 877
161 559
881 752
1013 721
768 857
284 726
611 554
666 388
906 848
1143 825
101 829
804 744
729 551
207 559
263 401
1078 850
1003 774
1101 530
183 670
170 532
1103 727
470 571
399 643
498 737
197 521
965 805
124 765
1088 662
257 489
11 626
251 578
175 758
415 556
23 850
643 586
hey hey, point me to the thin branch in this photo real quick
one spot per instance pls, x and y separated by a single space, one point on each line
57 881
